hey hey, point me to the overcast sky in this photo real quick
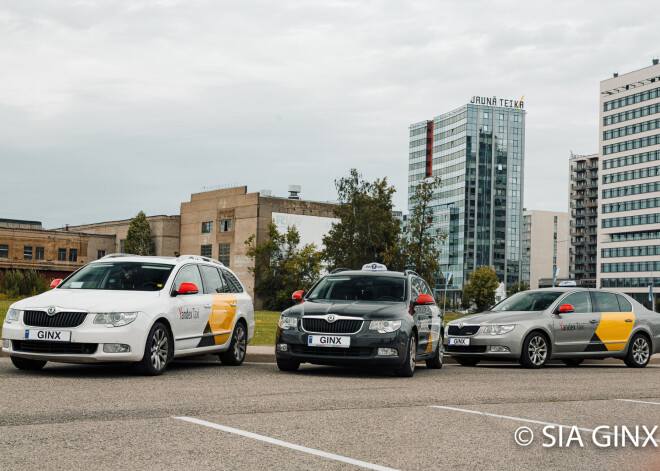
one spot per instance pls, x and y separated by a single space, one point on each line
111 107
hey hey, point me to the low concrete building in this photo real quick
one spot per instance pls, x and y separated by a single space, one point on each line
217 223
545 245
164 229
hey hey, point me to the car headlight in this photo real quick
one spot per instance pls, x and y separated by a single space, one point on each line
287 322
385 327
115 319
498 329
12 316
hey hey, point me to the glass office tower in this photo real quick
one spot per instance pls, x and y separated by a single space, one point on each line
478 150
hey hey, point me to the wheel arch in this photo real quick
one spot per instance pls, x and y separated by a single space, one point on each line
540 330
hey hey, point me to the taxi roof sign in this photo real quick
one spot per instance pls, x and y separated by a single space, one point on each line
567 283
374 267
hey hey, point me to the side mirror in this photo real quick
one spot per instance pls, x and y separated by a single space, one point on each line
566 308
55 283
298 295
188 288
424 299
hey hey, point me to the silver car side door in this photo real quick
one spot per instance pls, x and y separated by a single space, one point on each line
573 330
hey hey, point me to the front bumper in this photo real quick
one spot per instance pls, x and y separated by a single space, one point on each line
363 348
86 345
481 346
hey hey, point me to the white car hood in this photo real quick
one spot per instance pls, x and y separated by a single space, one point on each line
90 300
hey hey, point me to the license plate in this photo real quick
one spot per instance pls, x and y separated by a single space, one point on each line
51 335
460 342
328 341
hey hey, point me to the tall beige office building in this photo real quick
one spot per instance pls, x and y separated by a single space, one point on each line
629 215
544 245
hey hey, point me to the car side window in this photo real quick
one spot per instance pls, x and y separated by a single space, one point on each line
189 274
234 285
606 302
416 287
427 289
580 301
624 304
213 283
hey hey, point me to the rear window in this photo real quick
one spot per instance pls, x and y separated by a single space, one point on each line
607 302
624 304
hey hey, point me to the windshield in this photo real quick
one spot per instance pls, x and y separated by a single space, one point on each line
528 301
126 276
360 288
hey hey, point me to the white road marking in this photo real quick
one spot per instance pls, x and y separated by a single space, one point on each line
639 402
518 419
293 446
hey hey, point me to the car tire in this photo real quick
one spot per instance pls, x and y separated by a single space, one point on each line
535 351
572 361
639 352
235 355
435 363
467 361
28 364
408 368
287 365
158 351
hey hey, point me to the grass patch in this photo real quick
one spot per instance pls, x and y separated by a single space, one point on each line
265 326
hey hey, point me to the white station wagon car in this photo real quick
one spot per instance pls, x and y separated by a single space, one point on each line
128 308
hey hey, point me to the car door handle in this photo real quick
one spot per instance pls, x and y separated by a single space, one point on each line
207 305
232 304
628 320
593 321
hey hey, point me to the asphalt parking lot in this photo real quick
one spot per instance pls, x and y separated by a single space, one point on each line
201 415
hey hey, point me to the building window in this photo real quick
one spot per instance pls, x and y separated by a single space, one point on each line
502 116
61 255
121 245
73 255
225 225
207 227
206 250
4 251
223 254
39 253
485 115
101 254
27 252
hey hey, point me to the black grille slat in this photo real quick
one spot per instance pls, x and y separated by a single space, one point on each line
466 330
61 319
341 326
62 348
359 352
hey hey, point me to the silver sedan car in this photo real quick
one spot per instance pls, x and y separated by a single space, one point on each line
569 324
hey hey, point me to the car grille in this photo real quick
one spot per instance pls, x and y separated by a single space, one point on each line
470 349
37 346
361 352
341 326
465 330
61 319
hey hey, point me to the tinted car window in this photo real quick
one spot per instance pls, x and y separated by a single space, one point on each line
624 304
213 283
359 288
580 301
416 287
188 274
528 301
126 276
606 302
232 281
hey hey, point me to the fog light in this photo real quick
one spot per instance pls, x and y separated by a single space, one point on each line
116 348
387 352
282 347
499 349
6 343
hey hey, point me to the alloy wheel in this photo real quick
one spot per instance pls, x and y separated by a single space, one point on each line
240 344
159 349
640 350
538 350
413 352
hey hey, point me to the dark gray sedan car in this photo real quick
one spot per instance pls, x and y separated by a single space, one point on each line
570 324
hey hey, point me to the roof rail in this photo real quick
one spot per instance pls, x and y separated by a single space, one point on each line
338 270
410 272
118 255
199 257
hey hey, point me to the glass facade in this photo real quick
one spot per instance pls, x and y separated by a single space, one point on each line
478 151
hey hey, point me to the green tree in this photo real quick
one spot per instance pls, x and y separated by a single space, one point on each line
139 240
366 230
280 267
418 249
480 288
22 283
517 287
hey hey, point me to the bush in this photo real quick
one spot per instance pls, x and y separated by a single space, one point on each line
22 283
